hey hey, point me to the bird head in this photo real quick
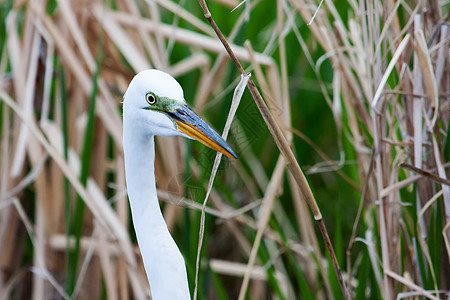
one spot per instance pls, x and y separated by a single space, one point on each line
155 102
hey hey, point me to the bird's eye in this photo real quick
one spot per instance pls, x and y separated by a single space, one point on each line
151 99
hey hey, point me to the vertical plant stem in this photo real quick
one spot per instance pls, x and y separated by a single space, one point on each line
70 280
284 148
86 155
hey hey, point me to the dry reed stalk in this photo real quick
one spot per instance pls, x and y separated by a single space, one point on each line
105 109
268 202
386 173
181 35
237 269
286 152
196 61
196 22
243 219
210 81
40 267
411 285
8 216
309 239
122 212
238 92
106 218
148 42
370 56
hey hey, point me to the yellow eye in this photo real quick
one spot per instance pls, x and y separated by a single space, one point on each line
151 99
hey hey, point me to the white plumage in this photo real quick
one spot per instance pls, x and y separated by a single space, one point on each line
154 105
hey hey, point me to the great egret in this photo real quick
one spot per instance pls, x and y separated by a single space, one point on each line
154 105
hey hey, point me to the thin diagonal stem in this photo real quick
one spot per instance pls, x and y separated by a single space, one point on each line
285 150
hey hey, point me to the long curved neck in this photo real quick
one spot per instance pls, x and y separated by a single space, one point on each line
164 264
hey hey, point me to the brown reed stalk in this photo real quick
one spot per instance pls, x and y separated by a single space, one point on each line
287 153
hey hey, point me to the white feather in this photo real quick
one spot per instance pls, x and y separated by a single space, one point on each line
164 264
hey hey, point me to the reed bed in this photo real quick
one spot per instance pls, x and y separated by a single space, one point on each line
357 93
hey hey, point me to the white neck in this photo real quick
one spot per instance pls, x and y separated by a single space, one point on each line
164 264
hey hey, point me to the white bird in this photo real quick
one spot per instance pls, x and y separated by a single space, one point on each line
154 105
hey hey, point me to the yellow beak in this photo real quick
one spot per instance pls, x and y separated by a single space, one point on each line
193 126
